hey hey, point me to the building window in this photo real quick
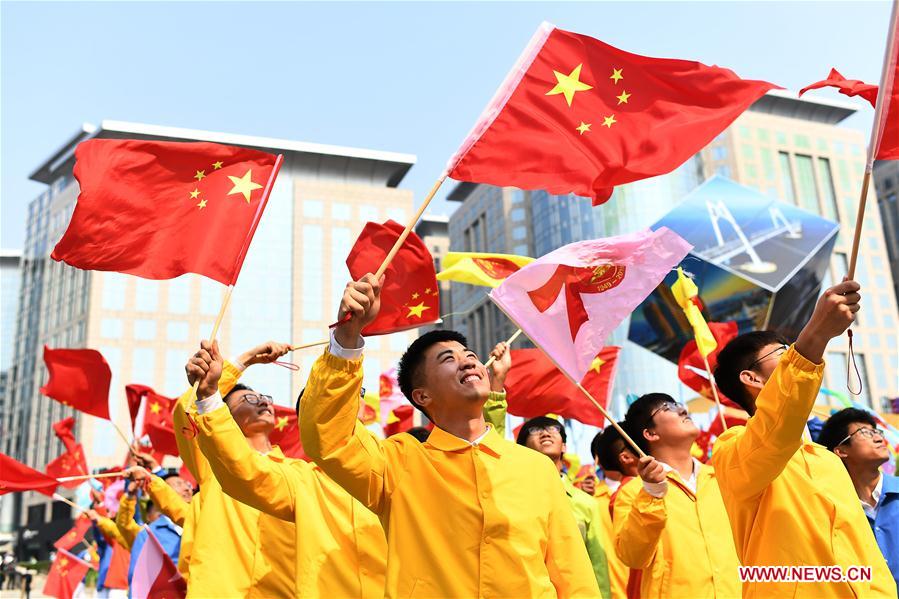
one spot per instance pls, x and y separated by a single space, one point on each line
145 330
143 365
519 233
313 273
176 330
719 152
865 395
786 171
210 297
805 178
341 244
517 215
341 211
802 141
146 295
175 381
369 214
114 291
111 328
828 194
179 295
313 209
397 214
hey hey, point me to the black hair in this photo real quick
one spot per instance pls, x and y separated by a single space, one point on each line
837 426
607 445
639 417
409 369
542 422
420 433
169 473
737 356
236 387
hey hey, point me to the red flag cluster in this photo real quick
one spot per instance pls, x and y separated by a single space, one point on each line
72 461
156 423
16 476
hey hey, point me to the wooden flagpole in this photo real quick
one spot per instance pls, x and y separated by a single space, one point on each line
509 342
708 369
66 479
58 497
409 226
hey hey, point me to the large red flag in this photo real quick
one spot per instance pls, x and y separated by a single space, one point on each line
16 476
161 209
155 575
79 378
885 137
75 535
409 296
691 367
286 433
576 115
65 574
535 387
847 87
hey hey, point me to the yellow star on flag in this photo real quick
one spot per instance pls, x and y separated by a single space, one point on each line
199 176
282 423
597 364
583 127
417 310
194 194
244 185
570 84
202 204
217 165
415 295
623 98
155 407
608 121
616 75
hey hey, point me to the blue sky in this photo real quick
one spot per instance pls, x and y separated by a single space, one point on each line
406 77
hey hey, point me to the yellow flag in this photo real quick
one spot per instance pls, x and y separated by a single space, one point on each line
480 269
684 290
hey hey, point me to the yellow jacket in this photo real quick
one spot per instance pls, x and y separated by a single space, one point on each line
790 502
681 541
461 520
124 520
109 528
618 571
341 549
237 550
182 513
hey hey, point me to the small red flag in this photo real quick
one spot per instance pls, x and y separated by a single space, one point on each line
79 378
63 431
535 387
157 422
286 433
65 575
134 395
409 296
847 87
691 367
401 422
75 535
16 476
69 463
161 209
576 115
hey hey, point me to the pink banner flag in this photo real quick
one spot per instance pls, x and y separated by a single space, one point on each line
571 299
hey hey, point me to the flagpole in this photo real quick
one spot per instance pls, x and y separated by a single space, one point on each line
509 342
66 479
58 497
409 226
876 132
308 345
130 444
708 369
611 420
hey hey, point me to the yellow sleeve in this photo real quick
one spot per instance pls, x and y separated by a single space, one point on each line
567 561
168 501
185 436
638 523
748 458
348 452
111 531
244 473
124 520
495 411
187 538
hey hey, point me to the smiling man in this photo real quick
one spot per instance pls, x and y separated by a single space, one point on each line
467 513
671 522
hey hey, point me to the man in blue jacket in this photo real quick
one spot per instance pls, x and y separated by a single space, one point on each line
853 436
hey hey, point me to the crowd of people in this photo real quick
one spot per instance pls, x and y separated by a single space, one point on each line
460 511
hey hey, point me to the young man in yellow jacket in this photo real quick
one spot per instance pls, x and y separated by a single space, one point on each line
790 501
340 546
671 523
238 551
466 513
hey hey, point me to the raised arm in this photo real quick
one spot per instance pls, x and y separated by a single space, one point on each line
124 518
495 407
747 459
163 496
640 516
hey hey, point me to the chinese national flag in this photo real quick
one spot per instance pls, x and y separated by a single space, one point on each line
16 476
70 463
691 367
535 387
409 295
161 209
75 535
79 378
157 422
286 433
847 87
63 431
65 575
576 115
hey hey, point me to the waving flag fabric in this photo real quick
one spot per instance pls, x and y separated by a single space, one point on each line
488 270
79 379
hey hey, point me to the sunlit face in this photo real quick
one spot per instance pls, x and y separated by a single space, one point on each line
671 422
181 486
863 446
252 411
547 440
453 378
767 360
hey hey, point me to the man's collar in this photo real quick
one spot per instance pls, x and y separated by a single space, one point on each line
890 484
444 441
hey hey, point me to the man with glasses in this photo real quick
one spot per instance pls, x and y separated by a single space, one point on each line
852 434
671 522
547 436
790 501
339 544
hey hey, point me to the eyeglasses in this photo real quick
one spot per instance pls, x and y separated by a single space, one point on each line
865 431
254 400
553 429
668 406
781 349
